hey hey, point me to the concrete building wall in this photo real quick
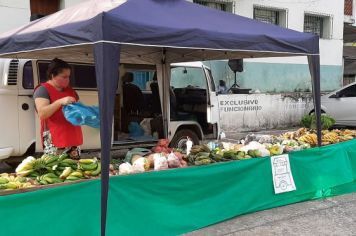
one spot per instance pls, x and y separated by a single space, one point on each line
291 74
330 49
13 14
252 112
69 3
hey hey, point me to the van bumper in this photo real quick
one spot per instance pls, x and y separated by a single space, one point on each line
5 152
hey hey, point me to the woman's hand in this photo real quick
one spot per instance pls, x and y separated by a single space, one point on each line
66 100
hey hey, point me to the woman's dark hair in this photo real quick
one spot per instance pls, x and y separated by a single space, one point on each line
55 67
222 83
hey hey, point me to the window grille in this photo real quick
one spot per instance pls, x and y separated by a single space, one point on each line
266 15
314 24
217 4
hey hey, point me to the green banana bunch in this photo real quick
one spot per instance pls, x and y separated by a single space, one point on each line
25 172
88 164
48 159
49 178
67 163
77 173
10 182
66 172
33 174
52 178
3 180
95 172
26 164
71 178
199 148
240 155
62 157
53 161
10 185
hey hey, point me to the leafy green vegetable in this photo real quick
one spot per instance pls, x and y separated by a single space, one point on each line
309 121
306 121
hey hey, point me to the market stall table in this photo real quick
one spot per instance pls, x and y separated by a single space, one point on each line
177 201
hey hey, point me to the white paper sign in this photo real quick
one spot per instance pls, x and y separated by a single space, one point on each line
282 176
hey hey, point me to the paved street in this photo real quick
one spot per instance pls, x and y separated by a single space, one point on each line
332 216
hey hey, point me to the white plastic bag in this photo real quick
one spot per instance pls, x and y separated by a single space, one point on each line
146 125
125 169
140 165
173 161
189 145
160 162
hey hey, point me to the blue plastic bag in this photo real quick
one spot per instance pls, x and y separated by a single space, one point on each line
135 130
79 114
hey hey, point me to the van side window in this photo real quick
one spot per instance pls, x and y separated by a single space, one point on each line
42 70
82 76
27 77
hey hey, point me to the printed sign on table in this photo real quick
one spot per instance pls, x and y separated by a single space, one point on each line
282 176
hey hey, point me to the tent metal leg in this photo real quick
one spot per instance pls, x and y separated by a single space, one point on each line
314 67
107 59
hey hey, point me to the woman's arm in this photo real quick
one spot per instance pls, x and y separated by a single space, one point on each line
46 110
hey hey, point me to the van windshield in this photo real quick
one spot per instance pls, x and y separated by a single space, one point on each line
188 77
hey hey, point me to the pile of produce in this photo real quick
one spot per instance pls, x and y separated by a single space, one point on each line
254 146
309 137
11 182
203 154
49 169
161 157
162 147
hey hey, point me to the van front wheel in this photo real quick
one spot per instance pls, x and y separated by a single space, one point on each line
181 137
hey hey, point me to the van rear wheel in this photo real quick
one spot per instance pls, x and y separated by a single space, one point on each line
181 137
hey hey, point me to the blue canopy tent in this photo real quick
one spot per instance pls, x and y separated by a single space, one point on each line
157 32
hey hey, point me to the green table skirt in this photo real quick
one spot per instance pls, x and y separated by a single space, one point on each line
177 201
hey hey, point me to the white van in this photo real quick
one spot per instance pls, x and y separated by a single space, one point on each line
194 105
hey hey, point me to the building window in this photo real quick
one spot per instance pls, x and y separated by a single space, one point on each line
348 7
41 8
267 16
348 79
313 24
222 5
319 25
270 15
